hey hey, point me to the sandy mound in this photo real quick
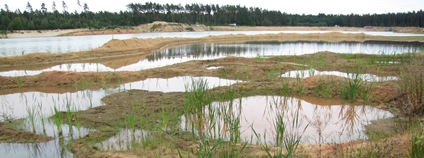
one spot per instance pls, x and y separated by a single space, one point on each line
129 43
162 26
134 44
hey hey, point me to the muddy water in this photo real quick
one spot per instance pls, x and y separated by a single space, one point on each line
313 72
213 51
40 105
326 121
15 46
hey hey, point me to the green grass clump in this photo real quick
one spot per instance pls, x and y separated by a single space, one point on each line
155 26
352 87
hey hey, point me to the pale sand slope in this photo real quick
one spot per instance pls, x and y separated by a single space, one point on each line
176 27
44 33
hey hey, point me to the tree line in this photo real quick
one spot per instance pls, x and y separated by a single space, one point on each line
42 18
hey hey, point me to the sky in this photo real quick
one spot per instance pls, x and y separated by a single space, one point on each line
288 6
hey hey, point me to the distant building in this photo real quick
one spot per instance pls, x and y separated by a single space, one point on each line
233 24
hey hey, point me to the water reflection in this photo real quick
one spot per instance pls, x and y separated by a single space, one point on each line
18 105
65 44
313 72
208 51
36 150
14 46
36 107
325 123
54 148
96 67
214 67
124 140
286 48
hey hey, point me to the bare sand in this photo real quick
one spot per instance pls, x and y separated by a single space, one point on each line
160 26
41 33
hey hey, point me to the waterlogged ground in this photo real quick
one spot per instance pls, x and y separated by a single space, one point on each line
36 107
319 120
351 75
145 109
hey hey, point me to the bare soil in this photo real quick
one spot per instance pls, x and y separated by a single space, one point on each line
9 134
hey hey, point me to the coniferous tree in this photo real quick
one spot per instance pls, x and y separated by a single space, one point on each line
208 14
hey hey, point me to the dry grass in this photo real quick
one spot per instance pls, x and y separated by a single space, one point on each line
412 88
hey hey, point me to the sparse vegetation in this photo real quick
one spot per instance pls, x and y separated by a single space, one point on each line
189 28
155 26
412 88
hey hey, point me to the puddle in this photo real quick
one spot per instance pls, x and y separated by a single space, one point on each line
54 148
124 140
40 106
209 51
387 62
50 129
176 84
214 67
313 72
21 105
96 67
337 122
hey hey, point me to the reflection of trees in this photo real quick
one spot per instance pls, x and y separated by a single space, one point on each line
217 50
199 51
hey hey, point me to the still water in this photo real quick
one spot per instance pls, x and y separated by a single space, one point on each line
312 72
207 51
124 140
319 120
15 46
41 106
17 105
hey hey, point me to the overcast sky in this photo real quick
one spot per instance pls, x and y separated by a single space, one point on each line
288 6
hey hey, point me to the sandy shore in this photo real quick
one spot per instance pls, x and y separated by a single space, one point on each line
43 33
176 27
